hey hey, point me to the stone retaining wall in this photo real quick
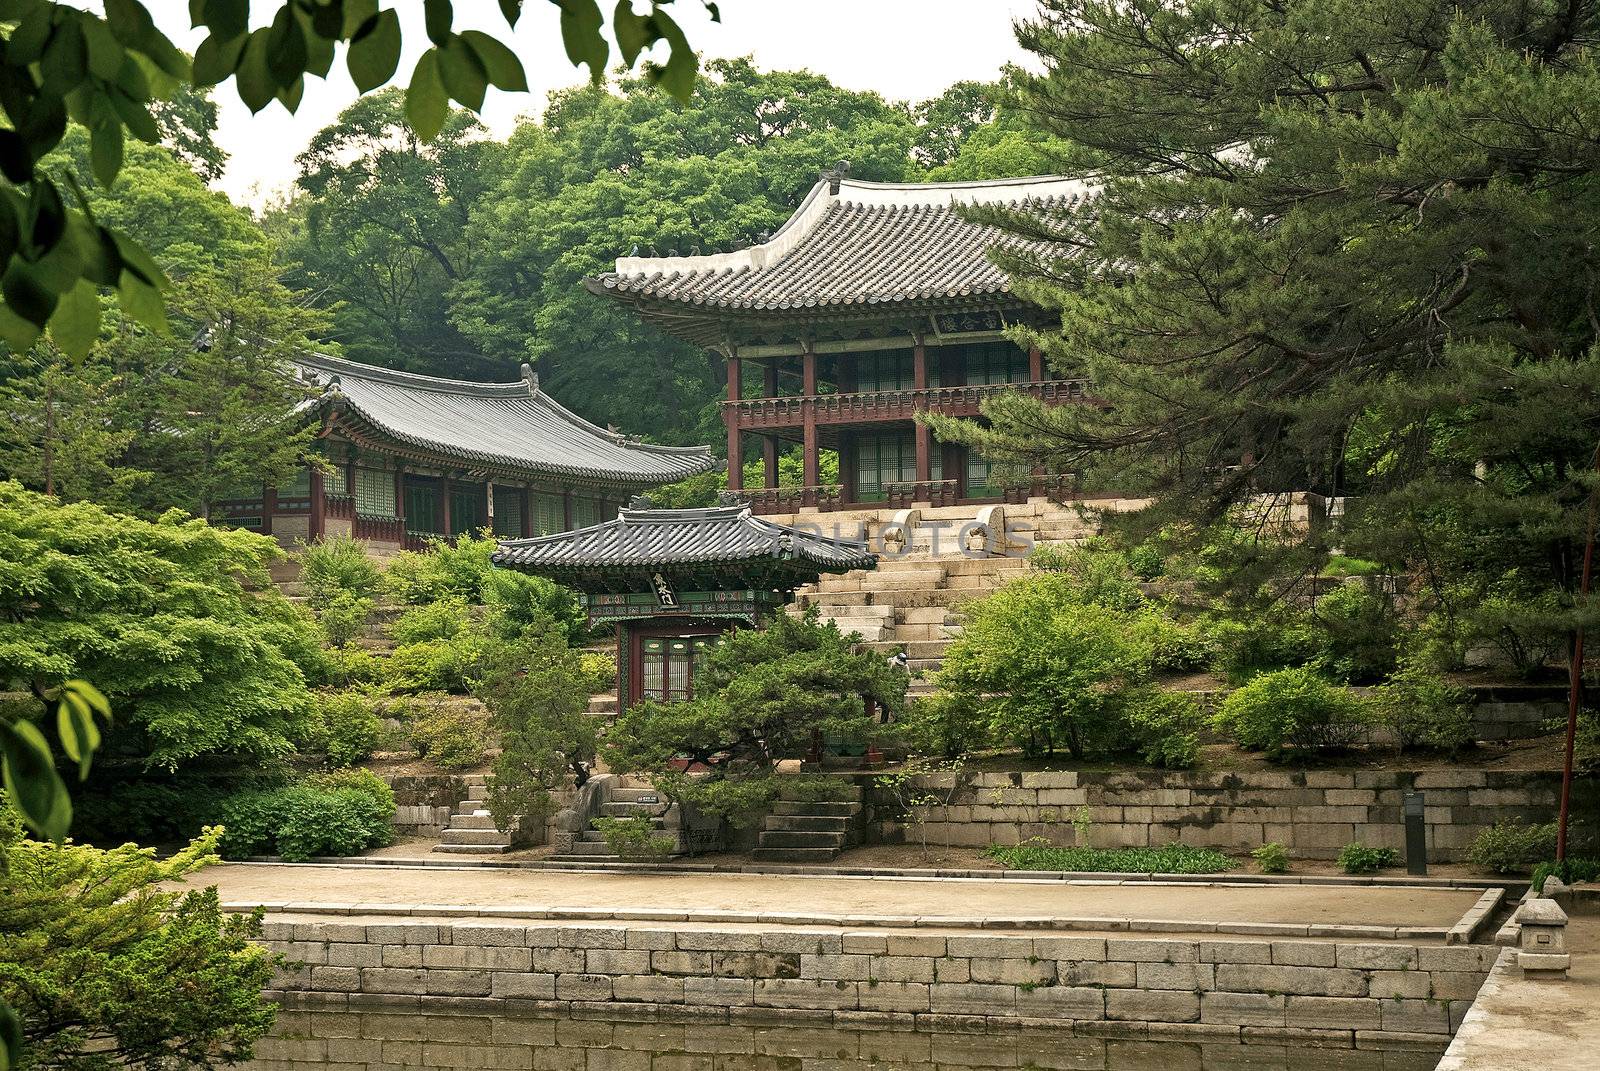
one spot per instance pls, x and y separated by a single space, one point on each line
424 802
1333 992
1313 813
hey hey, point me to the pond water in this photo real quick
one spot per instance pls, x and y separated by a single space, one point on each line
381 1039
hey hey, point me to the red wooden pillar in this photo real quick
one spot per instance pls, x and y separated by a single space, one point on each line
1035 365
269 506
769 443
730 416
319 505
924 436
400 498
808 379
566 508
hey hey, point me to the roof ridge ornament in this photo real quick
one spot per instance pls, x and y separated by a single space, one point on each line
530 377
835 176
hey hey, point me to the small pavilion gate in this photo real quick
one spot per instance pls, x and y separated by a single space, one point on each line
673 581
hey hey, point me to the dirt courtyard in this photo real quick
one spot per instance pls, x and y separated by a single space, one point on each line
278 883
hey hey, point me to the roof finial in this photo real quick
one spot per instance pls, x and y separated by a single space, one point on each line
641 502
836 176
530 377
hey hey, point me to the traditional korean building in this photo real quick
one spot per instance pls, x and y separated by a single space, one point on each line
417 457
674 580
873 302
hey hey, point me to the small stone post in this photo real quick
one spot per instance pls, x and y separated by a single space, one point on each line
1543 949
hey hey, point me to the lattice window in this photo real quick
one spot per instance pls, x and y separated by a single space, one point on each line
374 492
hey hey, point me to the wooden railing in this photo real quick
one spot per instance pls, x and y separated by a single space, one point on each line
341 507
891 404
791 499
933 492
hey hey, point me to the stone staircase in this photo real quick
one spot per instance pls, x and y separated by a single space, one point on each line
627 801
805 831
910 600
471 830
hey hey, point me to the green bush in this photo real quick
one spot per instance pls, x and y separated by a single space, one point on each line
1261 644
1291 708
634 838
1095 571
1164 727
1038 854
816 788
354 665
440 648
600 672
1357 858
344 616
1422 709
943 724
1146 561
450 736
462 570
1573 870
1174 647
1272 858
337 566
1512 847
349 727
1361 634
315 817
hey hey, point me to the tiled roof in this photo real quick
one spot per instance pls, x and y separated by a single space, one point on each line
867 244
514 425
646 539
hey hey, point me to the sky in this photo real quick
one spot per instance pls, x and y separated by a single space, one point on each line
904 49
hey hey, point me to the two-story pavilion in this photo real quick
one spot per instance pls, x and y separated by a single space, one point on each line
873 302
416 457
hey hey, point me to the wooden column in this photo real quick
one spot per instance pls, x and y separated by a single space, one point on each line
444 504
527 508
924 437
730 416
269 504
808 379
400 498
1035 365
566 508
319 505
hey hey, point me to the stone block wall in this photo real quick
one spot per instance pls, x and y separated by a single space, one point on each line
1314 813
1333 992
423 802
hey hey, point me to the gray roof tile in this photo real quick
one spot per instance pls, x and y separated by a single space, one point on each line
870 243
508 424
644 539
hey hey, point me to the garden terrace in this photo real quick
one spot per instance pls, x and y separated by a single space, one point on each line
416 456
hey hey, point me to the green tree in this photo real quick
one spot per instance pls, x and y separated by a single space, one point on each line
176 621
381 229
1335 247
604 174
761 696
110 969
538 698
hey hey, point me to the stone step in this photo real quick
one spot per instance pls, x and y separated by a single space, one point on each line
916 650
993 565
472 820
872 630
472 849
794 855
808 823
792 838
491 835
922 615
633 795
591 849
802 808
477 793
624 809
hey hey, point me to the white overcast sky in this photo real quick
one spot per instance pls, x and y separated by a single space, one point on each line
904 49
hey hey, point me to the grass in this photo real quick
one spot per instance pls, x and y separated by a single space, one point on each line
1167 859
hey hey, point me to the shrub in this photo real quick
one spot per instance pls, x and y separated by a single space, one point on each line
1291 708
634 838
1357 858
1512 847
462 570
1261 644
1573 870
349 728
451 736
343 618
354 665
1095 571
816 788
1039 854
943 724
1527 626
1271 858
1164 727
1360 634
1174 647
1146 561
312 818
337 566
1422 709
599 672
